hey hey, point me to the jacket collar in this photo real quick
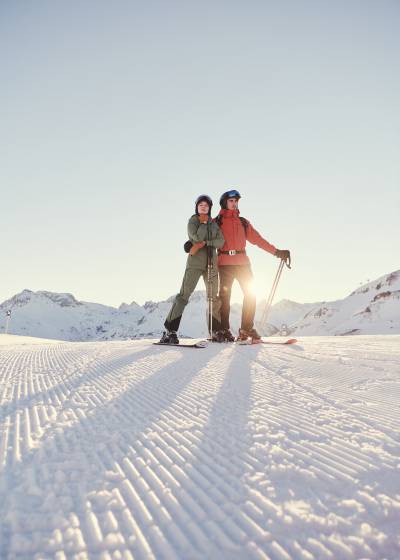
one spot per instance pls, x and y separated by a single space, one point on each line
229 213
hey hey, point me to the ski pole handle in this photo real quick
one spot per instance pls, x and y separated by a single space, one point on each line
284 255
288 261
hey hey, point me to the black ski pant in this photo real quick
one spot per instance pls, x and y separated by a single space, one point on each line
244 275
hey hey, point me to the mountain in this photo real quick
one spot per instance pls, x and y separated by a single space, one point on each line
283 314
372 309
61 316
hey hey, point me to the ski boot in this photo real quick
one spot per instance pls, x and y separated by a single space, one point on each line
228 336
242 336
169 337
253 334
218 336
250 336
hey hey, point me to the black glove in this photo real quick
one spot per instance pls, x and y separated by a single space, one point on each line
283 254
187 246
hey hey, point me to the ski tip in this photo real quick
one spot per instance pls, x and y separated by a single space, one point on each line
250 341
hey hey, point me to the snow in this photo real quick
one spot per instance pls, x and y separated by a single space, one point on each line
374 308
13 339
122 449
371 309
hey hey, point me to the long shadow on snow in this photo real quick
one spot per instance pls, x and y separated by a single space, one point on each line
73 382
221 462
92 445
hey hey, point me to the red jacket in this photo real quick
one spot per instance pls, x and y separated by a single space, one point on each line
236 236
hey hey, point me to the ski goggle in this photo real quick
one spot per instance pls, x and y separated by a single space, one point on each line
232 194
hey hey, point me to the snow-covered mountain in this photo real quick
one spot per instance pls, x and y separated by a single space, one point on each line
61 316
283 314
372 309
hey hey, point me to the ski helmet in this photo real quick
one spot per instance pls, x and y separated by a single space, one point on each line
203 198
233 193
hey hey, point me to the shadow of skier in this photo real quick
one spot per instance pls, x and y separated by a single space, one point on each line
85 451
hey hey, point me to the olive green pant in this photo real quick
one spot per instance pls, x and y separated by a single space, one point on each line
189 283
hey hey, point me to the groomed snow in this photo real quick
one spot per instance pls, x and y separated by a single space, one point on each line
12 339
123 449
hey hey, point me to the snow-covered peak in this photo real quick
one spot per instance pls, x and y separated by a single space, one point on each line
282 314
289 305
27 296
128 306
64 300
286 304
20 299
388 282
373 308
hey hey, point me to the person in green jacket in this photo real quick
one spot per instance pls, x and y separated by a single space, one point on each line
203 233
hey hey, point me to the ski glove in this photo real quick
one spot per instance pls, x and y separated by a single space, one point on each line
283 254
196 247
203 218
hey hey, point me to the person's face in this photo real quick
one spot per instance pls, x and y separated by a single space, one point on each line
232 203
203 207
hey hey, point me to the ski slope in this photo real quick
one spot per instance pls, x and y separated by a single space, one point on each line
122 450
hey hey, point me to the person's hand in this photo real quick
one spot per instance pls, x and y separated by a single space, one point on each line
196 247
283 254
203 218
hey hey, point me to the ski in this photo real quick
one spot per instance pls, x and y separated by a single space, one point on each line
289 341
184 344
261 341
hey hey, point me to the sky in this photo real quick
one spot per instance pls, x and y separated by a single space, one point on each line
115 116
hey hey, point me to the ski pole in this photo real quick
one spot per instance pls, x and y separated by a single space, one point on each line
272 294
209 282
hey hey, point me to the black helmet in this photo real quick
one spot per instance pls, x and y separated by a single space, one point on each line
203 198
233 193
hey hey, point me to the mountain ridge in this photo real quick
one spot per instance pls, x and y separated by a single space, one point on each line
373 308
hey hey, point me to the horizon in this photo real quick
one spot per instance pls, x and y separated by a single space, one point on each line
234 301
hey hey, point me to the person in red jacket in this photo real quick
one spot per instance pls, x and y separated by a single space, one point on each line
234 264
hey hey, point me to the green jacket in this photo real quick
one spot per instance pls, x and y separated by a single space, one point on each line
211 234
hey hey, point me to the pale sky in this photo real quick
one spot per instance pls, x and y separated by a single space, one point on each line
115 116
